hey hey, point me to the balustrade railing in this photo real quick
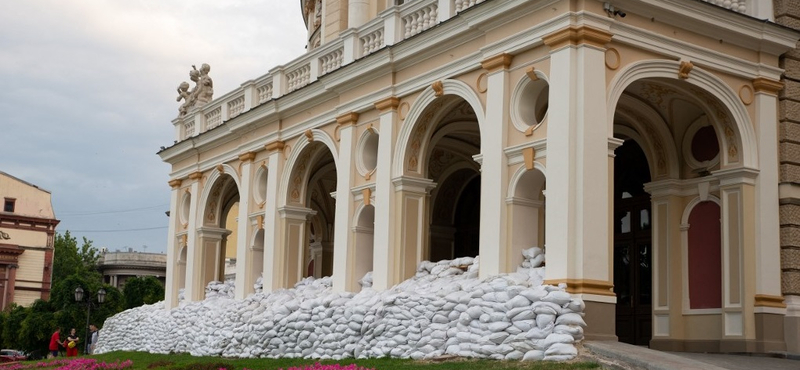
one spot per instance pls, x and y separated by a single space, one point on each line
298 77
236 107
420 17
264 93
331 61
735 5
214 118
462 5
391 26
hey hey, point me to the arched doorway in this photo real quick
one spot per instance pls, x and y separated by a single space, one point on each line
633 252
455 206
218 234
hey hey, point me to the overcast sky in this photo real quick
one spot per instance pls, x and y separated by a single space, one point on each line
87 95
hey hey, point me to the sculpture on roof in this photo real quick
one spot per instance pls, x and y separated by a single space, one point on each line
200 94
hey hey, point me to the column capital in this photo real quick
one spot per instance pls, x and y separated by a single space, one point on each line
195 175
577 35
247 157
497 62
347 119
389 104
766 85
175 183
275 146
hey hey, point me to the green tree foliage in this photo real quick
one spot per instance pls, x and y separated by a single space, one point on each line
12 324
36 328
69 259
142 290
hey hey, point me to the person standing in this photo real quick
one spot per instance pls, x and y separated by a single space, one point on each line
55 341
92 339
72 343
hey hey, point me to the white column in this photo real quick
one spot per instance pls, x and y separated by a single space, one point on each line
493 247
384 267
273 269
357 13
171 286
194 286
244 275
578 182
343 273
768 252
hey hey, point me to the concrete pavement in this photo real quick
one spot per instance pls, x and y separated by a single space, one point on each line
623 356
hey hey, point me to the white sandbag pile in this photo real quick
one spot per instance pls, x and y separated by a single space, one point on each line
444 309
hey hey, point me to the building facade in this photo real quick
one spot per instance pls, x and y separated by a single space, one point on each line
118 267
636 141
27 229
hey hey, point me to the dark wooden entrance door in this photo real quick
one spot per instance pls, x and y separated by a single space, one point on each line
633 272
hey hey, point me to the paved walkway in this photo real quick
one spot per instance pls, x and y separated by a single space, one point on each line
617 355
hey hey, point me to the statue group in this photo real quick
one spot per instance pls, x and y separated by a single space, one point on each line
200 94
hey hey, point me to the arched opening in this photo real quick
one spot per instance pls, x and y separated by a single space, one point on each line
632 245
257 257
455 206
527 210
218 235
181 273
364 239
309 213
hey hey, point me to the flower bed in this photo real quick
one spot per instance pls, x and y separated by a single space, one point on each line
70 364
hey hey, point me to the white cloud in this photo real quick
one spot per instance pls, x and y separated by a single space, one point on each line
88 93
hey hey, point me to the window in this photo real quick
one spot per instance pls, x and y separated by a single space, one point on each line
9 205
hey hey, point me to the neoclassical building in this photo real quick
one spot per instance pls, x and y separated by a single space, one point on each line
27 228
636 141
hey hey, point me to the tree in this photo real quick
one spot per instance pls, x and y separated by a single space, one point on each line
142 290
36 328
12 324
69 259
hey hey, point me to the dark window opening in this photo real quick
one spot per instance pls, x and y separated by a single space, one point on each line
9 205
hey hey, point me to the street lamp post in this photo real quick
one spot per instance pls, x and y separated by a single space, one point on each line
79 295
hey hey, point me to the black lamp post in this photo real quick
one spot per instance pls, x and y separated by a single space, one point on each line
101 296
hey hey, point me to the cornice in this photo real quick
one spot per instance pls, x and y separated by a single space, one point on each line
275 146
390 103
497 62
576 36
766 85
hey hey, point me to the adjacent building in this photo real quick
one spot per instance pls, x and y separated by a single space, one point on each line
647 145
118 267
27 229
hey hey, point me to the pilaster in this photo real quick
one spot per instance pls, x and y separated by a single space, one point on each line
343 254
171 286
493 243
272 276
194 289
244 275
384 246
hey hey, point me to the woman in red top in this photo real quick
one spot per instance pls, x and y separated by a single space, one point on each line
72 343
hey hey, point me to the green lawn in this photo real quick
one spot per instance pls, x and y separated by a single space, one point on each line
143 360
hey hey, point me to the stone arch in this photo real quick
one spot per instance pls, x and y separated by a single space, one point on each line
318 136
652 134
740 139
423 112
526 210
212 180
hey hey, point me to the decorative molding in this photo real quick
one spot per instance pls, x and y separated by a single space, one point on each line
746 94
531 73
765 300
220 168
309 135
438 88
574 35
402 110
366 194
528 155
275 145
766 85
585 286
175 183
497 62
389 104
612 59
684 69
196 175
247 157
345 119
481 77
